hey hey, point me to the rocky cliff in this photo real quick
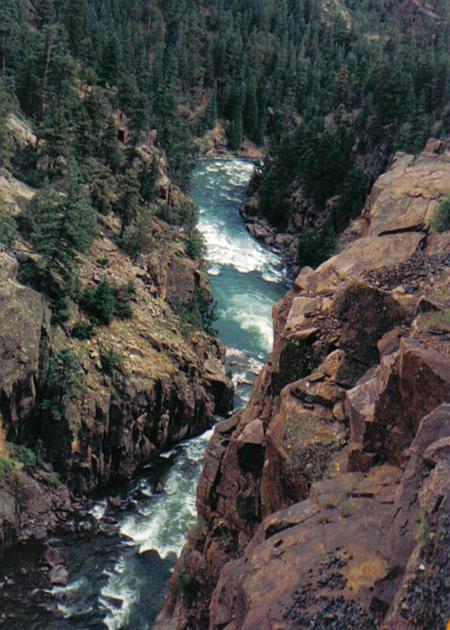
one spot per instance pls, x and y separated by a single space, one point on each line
325 502
167 382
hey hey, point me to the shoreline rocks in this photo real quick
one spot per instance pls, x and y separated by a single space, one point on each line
325 501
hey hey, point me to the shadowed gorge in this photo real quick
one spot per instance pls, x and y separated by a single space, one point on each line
224 314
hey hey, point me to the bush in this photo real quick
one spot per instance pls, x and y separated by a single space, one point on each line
441 217
105 301
51 479
138 238
83 330
64 383
8 229
6 466
25 456
315 246
195 246
111 361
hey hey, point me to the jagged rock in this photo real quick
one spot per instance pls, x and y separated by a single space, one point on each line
421 500
316 552
29 509
24 340
360 404
299 442
408 193
300 530
302 308
372 252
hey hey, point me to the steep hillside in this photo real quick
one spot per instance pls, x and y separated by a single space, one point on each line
325 503
90 396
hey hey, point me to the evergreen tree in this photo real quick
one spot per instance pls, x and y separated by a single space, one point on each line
130 201
61 226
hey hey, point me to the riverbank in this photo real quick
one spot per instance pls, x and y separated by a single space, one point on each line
125 546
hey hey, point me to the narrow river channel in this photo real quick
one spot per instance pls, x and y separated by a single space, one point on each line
119 580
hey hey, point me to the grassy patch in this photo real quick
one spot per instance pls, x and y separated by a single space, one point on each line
441 216
436 322
112 361
51 479
7 465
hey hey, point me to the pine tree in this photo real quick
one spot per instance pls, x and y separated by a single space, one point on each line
251 113
130 199
61 227
6 107
10 35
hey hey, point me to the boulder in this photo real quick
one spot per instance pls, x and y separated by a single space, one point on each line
372 252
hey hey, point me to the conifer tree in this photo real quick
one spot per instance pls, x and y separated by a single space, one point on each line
61 227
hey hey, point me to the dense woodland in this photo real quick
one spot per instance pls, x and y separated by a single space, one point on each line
331 88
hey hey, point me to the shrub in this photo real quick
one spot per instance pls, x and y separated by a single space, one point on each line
51 479
6 466
8 229
111 361
138 238
83 330
315 246
186 585
441 217
346 510
195 246
105 301
25 456
64 382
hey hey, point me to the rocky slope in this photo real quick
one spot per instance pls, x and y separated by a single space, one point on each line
325 503
168 385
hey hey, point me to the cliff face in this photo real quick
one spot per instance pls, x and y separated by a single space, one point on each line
167 386
325 503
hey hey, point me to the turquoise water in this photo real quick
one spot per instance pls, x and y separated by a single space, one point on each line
246 278
119 578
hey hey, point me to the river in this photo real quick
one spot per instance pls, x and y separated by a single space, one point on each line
118 579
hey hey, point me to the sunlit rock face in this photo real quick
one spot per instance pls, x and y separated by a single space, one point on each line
340 512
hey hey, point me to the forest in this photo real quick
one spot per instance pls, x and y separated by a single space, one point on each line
330 89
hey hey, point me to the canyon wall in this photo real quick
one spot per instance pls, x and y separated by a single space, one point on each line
325 502
167 382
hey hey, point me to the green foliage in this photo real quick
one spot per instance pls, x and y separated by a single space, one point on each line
105 301
112 361
346 510
200 314
195 245
138 238
6 140
8 228
63 384
60 227
51 479
6 466
441 216
315 246
83 330
24 455
423 530
130 200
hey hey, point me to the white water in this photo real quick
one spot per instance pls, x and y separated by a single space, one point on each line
127 592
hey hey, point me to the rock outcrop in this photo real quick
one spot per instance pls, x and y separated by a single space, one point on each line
324 503
168 384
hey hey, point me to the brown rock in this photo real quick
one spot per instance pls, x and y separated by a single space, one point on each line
372 252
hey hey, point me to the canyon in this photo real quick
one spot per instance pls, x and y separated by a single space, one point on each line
325 502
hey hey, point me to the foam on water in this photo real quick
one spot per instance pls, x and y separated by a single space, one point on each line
160 505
